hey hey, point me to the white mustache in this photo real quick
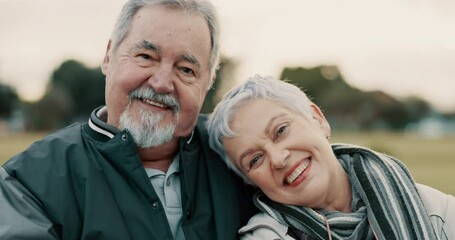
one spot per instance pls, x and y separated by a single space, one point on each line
149 93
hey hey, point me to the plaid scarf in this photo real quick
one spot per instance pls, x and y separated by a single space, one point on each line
385 203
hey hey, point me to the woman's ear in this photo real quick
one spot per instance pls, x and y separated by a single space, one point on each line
320 119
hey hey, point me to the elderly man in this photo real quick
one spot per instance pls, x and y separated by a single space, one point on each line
141 167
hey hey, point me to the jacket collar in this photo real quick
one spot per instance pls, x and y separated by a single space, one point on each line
98 124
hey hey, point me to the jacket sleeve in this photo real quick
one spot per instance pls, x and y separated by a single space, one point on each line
262 226
21 214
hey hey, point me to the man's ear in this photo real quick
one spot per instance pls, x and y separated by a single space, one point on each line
107 58
320 119
212 81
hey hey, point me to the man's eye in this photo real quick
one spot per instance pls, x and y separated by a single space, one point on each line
145 56
187 71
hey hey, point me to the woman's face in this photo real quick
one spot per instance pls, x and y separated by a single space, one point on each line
285 154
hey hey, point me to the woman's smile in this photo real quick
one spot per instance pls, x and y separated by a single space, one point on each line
298 173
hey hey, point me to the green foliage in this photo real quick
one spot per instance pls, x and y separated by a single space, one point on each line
8 100
417 108
73 92
51 112
218 87
84 86
210 102
346 107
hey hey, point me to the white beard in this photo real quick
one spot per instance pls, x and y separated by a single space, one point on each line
145 131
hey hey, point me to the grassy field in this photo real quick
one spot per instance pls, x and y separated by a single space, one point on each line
10 144
431 161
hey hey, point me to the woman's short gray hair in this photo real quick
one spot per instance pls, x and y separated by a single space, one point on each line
201 7
257 87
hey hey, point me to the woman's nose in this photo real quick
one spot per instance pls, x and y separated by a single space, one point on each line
279 157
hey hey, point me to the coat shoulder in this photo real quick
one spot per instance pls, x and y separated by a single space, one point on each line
441 209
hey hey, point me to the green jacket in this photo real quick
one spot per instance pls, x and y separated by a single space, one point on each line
87 182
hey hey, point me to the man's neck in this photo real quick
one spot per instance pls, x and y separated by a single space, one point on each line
159 157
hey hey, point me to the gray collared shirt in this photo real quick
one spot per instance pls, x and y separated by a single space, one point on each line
167 186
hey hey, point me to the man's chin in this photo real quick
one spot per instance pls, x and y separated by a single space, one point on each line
154 136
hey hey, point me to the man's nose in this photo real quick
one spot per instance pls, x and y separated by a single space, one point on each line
162 79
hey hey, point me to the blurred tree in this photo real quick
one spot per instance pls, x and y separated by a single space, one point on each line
386 112
417 108
220 86
346 107
74 90
84 86
326 87
8 100
49 113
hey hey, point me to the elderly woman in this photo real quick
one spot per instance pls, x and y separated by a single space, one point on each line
273 136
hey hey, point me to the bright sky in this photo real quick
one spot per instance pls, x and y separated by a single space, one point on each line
404 47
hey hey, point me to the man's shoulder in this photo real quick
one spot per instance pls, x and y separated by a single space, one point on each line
202 119
70 135
201 127
50 147
203 116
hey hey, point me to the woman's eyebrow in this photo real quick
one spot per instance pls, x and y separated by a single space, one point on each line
271 121
244 154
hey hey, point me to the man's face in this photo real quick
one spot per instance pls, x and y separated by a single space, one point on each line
166 53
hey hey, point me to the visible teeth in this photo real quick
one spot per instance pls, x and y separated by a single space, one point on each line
299 170
154 103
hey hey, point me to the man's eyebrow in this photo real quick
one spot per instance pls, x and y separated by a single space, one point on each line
191 58
151 46
147 45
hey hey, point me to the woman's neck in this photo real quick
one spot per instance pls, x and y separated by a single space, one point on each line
342 194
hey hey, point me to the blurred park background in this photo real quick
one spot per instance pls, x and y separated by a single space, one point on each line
409 129
383 72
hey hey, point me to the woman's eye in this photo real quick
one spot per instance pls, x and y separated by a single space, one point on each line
280 131
255 161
